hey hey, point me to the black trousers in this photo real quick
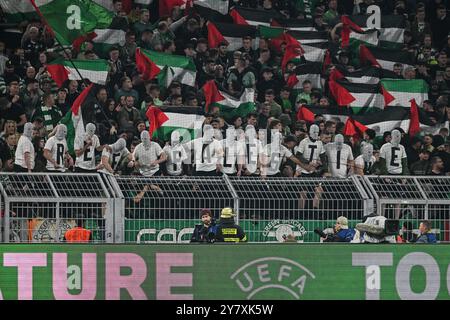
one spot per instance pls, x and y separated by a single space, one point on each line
18 168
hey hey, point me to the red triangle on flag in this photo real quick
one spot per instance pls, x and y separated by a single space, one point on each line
80 99
388 98
292 51
335 74
348 26
145 66
292 81
305 114
237 18
414 123
214 36
365 55
354 128
211 93
340 94
156 118
58 73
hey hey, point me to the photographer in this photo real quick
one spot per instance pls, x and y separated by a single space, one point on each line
205 232
341 232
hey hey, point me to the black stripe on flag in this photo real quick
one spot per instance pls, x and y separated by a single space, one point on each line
320 36
309 68
402 57
236 30
359 87
264 16
184 110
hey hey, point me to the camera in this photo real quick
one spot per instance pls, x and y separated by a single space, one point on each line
327 233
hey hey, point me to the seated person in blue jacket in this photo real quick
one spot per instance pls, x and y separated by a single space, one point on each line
343 232
425 233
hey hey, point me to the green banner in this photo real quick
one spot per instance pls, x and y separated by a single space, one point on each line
276 230
224 272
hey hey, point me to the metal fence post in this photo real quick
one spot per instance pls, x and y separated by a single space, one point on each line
235 196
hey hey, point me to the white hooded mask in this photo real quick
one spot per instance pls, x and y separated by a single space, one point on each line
145 138
231 135
250 133
175 138
339 141
208 133
396 137
367 152
119 145
28 130
90 130
314 132
61 132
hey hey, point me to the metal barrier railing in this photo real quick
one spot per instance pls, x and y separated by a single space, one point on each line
412 199
40 207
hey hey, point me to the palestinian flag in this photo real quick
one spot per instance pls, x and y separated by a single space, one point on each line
229 105
163 121
378 120
165 67
392 29
359 95
354 34
113 36
214 10
384 58
74 119
369 75
231 33
253 17
61 17
313 43
309 71
18 11
95 70
404 90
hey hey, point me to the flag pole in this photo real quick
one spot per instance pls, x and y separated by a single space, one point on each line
70 57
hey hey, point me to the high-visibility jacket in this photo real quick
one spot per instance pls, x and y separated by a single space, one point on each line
78 234
228 231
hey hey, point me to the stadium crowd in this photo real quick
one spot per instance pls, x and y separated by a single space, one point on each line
116 137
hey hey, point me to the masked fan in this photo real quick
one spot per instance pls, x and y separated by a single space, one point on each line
55 151
148 155
85 146
114 156
364 164
393 156
24 156
340 157
311 151
176 155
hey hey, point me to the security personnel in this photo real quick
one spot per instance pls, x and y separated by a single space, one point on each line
227 229
78 234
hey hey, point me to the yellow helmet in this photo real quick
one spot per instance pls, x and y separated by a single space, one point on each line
227 213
